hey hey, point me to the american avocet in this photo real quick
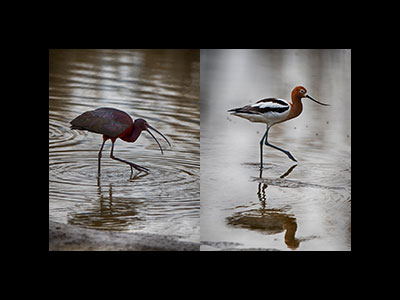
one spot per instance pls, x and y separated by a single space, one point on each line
272 111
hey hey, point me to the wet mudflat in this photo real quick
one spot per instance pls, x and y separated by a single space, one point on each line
288 206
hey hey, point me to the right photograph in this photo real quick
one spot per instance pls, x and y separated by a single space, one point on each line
275 149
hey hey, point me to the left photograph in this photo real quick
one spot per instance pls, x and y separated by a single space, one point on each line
124 150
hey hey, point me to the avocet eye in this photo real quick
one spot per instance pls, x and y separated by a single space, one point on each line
302 91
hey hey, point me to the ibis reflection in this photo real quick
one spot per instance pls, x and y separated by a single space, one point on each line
110 211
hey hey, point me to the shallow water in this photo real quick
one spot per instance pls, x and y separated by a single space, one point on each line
289 206
161 86
222 199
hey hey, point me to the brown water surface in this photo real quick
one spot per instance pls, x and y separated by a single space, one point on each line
161 86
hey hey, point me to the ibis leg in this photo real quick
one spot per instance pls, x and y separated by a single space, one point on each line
277 148
99 156
132 165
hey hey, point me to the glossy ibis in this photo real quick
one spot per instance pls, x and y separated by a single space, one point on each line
112 124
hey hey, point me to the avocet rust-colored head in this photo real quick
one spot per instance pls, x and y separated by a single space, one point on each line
301 92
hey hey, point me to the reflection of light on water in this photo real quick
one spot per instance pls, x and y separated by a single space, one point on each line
145 84
318 188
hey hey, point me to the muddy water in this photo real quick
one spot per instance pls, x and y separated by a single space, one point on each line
288 206
161 86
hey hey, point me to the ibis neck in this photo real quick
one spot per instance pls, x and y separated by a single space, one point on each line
135 133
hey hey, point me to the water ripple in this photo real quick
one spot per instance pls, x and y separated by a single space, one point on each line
167 200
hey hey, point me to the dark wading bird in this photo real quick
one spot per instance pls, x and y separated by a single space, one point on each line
272 111
112 124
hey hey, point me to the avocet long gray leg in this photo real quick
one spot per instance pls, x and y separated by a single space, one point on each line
276 147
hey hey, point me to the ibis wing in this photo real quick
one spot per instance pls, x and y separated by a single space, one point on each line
100 121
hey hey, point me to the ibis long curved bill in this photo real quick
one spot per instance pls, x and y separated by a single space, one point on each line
309 97
114 124
155 137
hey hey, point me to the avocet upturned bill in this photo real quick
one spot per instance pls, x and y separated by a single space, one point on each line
272 111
